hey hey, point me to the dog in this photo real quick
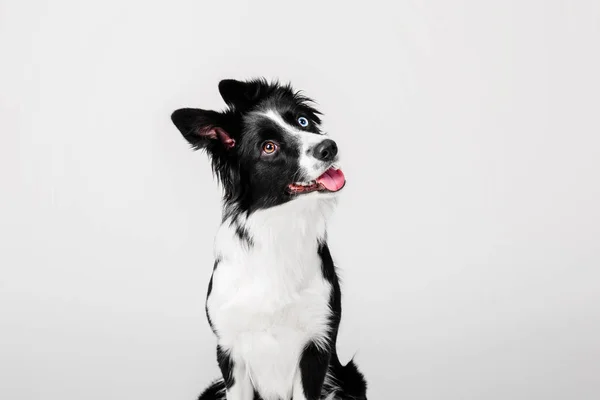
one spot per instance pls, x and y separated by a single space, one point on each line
274 300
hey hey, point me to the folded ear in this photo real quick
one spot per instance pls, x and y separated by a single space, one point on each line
202 128
237 94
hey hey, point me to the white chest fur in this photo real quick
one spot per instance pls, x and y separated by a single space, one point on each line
269 299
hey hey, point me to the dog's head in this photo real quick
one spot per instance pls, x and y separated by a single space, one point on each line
266 147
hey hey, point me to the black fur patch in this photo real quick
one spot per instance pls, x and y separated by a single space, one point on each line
348 378
335 301
226 366
243 235
214 392
314 364
210 284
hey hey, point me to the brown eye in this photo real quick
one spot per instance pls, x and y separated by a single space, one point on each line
269 147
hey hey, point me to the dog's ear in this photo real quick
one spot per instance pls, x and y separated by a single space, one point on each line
239 95
203 129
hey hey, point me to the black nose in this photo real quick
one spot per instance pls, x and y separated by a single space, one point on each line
326 150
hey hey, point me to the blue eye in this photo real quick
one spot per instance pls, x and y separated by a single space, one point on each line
303 122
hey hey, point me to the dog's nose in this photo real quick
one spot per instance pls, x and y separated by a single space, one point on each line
326 150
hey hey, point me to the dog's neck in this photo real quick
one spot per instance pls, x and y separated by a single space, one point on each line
292 225
277 245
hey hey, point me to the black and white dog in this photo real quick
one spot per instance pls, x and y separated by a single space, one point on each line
274 299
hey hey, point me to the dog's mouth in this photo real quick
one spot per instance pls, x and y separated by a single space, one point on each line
332 180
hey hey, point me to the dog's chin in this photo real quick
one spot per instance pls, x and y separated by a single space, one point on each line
328 184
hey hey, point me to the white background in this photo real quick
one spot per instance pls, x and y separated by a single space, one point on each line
468 236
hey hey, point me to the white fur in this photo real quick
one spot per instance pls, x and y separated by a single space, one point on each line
270 299
309 164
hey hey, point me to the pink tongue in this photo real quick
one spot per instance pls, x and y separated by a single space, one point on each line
332 179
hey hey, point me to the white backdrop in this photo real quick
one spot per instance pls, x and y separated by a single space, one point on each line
468 236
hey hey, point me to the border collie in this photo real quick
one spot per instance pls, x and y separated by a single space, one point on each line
274 298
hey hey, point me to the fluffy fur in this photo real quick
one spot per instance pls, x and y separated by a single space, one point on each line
274 298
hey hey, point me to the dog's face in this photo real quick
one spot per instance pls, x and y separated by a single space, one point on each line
267 147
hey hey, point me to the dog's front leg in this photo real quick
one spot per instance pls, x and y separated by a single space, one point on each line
237 381
308 382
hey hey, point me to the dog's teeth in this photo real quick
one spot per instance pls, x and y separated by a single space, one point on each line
305 184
